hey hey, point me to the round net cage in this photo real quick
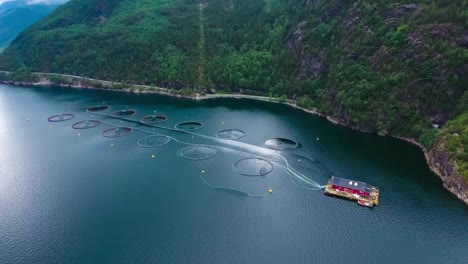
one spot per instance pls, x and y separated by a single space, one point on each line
197 152
153 119
123 113
153 141
230 134
117 132
97 108
189 126
253 167
61 117
86 124
281 144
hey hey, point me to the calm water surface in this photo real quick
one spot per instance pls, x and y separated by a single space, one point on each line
69 198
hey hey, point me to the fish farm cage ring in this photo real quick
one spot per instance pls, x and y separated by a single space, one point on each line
61 117
189 126
230 134
117 132
86 124
153 119
97 108
253 167
123 113
281 144
197 152
153 141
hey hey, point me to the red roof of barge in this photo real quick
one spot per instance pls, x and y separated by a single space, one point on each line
361 186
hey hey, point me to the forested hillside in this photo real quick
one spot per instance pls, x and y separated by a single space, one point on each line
393 66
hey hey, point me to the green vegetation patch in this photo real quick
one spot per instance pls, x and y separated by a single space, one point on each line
455 137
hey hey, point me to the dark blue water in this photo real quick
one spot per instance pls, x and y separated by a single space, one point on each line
66 198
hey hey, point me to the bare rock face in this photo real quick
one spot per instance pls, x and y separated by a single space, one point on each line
310 66
454 34
294 40
415 39
395 16
462 41
380 57
352 18
440 163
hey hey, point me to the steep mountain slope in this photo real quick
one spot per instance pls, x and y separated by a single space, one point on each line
397 67
17 15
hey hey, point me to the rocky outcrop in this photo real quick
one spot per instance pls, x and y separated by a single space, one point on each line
310 65
395 16
294 40
440 163
454 34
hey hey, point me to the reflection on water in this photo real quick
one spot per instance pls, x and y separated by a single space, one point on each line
90 199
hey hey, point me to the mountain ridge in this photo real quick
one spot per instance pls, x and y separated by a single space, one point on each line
17 15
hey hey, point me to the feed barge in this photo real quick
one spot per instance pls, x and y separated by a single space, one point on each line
363 193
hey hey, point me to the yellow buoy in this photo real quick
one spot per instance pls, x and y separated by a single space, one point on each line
79 134
202 171
152 156
270 191
112 144
318 139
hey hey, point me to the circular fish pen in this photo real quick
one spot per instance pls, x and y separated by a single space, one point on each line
153 119
230 134
189 126
282 144
199 152
117 132
123 113
61 117
153 141
253 167
97 108
86 124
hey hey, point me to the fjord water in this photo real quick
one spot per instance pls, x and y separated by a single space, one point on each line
69 198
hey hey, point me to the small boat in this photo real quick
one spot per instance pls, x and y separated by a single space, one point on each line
364 203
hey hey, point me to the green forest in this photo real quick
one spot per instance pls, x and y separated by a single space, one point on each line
395 67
